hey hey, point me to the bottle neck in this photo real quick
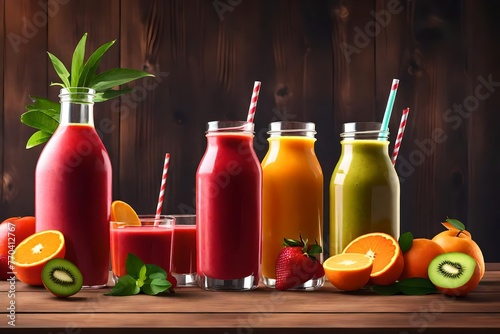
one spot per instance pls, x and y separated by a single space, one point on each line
77 106
77 113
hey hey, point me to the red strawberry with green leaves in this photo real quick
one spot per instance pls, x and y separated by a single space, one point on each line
297 263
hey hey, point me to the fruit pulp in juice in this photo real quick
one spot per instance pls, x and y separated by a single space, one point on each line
152 244
292 196
73 195
184 253
364 193
229 186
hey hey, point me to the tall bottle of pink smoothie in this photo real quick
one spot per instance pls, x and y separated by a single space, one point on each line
73 187
228 208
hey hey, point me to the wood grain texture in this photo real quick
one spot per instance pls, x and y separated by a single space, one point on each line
480 122
24 50
261 310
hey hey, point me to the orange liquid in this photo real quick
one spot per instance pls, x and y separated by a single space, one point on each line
292 196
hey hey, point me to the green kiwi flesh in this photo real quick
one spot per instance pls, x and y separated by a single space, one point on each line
451 270
61 277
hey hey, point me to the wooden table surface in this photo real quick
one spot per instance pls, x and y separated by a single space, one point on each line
191 310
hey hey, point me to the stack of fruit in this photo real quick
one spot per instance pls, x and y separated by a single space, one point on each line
451 263
37 258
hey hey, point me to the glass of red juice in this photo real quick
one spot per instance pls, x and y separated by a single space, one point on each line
184 250
152 242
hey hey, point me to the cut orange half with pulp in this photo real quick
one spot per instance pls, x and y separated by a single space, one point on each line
123 213
34 252
348 271
388 261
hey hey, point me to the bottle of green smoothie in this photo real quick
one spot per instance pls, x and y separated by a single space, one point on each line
364 188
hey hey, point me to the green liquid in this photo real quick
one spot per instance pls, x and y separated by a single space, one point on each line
364 193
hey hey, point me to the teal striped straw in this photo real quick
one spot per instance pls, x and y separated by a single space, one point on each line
388 108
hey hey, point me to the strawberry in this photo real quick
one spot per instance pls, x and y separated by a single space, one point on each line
297 263
172 281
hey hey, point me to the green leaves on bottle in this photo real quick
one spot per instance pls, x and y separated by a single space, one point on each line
43 114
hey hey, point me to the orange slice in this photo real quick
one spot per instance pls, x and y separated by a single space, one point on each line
34 252
348 271
123 213
388 261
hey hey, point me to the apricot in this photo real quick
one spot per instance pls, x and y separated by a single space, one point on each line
455 240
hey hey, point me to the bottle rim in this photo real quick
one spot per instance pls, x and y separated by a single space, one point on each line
364 130
230 126
292 128
77 95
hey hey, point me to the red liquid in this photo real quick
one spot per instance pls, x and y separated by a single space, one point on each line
228 204
152 244
184 254
73 195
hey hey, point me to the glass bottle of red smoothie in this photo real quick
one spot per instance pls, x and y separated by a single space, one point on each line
228 208
73 187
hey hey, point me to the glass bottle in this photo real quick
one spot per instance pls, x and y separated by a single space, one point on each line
292 196
228 208
364 188
73 187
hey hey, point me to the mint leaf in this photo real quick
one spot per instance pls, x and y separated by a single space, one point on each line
416 286
405 241
116 77
125 286
90 67
38 138
142 276
154 269
385 290
156 286
77 61
61 70
133 265
456 223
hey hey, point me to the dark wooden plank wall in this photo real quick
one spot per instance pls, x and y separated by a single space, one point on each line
328 62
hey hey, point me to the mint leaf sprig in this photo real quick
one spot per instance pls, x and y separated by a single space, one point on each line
43 114
149 279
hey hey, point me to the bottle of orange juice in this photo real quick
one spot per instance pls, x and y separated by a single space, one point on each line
292 194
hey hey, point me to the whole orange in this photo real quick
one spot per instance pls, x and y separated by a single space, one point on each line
418 257
12 232
455 240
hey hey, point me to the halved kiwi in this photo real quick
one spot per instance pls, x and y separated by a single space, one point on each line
454 273
61 277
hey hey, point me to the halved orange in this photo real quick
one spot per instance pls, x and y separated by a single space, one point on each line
123 213
348 271
388 261
34 252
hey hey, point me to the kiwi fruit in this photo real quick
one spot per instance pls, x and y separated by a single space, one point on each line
61 277
454 273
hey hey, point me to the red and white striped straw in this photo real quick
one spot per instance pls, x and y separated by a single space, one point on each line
163 186
253 101
399 138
